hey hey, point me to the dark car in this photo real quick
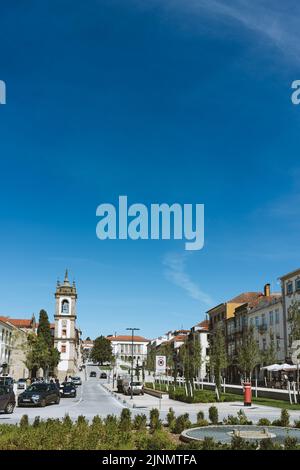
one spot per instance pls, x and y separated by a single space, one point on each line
103 375
68 389
39 394
93 374
6 380
7 399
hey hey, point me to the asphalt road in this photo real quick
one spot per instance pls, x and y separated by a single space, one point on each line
91 399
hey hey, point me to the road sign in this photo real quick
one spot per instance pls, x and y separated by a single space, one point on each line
160 364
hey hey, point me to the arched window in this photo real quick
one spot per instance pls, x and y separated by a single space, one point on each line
65 306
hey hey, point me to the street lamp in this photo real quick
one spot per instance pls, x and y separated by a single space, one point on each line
132 333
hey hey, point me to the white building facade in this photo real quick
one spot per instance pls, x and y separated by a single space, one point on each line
6 344
202 331
290 287
123 348
267 320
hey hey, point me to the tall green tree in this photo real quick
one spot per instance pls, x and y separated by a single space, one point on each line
218 355
248 355
190 356
102 350
40 351
44 330
150 362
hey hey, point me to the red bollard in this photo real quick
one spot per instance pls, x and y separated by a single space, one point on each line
247 394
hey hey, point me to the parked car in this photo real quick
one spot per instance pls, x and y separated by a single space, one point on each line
137 388
7 399
68 389
21 384
103 375
76 381
6 380
93 374
39 394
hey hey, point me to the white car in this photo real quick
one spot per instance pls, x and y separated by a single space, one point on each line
136 387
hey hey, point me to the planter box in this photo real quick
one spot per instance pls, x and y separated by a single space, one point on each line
156 393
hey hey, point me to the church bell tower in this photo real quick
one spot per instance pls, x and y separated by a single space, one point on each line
66 335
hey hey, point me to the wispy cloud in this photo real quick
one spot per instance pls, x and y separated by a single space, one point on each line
275 20
175 272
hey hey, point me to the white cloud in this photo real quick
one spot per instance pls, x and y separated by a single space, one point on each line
175 272
275 20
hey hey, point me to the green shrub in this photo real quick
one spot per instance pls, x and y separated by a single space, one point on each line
182 422
290 443
264 422
209 443
140 422
297 423
81 421
267 444
243 420
213 415
125 420
24 422
171 418
97 421
231 420
276 422
200 416
160 440
285 418
202 422
155 422
36 422
67 422
238 443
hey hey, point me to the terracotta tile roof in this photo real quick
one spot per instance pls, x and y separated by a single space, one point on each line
265 301
204 324
136 339
18 322
245 297
178 338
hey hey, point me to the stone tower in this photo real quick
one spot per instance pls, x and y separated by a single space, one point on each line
66 338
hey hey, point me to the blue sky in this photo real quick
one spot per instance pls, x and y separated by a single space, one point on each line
168 101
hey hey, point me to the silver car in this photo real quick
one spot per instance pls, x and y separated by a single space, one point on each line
76 381
136 387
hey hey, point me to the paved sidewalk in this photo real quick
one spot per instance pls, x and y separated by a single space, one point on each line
144 403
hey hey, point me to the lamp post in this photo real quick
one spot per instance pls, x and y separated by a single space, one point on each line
132 333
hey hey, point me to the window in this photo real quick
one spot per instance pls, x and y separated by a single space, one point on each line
277 316
63 348
65 306
264 344
271 319
263 318
64 332
251 322
278 344
297 284
289 288
257 322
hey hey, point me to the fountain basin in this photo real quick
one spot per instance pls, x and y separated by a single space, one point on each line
224 433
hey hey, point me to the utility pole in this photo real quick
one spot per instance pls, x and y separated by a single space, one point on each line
132 333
